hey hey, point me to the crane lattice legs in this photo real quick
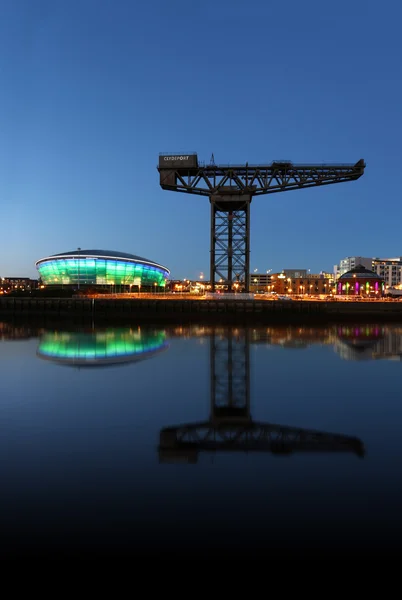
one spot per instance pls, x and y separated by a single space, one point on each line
230 235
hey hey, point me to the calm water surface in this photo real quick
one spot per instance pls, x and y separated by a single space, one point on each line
201 440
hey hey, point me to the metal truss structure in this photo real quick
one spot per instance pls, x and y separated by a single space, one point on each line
230 427
230 190
230 238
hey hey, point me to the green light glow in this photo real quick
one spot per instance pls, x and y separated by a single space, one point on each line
112 345
100 271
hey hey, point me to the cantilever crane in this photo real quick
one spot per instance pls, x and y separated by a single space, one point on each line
230 189
230 427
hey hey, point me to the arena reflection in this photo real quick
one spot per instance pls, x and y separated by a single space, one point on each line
349 341
101 347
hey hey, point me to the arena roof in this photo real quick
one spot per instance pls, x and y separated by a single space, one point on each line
105 253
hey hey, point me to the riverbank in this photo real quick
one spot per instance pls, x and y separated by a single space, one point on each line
199 311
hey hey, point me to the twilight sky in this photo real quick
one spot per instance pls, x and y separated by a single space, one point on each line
92 90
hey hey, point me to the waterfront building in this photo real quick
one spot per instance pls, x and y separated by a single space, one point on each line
260 282
311 284
102 268
263 282
17 284
360 281
390 269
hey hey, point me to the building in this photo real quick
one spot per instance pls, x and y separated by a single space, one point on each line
390 269
360 281
309 284
103 268
17 284
259 282
346 264
296 273
263 282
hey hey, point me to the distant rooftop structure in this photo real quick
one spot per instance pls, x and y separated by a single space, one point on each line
360 271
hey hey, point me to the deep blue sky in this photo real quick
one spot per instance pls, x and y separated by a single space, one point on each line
92 90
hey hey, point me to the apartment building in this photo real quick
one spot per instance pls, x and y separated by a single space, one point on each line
350 262
390 269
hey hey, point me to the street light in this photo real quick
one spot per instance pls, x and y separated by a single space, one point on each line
79 250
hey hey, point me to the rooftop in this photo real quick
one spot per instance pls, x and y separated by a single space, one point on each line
105 253
360 271
83 252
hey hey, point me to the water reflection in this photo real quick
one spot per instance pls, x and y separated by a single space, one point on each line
230 426
101 347
350 342
84 457
369 342
21 331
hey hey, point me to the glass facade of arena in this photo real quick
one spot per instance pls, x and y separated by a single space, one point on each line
101 347
100 271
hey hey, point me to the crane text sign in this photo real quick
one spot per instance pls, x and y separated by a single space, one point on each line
174 161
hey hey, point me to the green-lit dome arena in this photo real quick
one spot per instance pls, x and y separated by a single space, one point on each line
100 268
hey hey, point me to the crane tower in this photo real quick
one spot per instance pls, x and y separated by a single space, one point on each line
230 189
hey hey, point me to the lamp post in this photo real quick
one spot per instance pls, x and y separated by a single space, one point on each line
79 250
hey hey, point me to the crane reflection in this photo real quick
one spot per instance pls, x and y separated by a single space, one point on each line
230 426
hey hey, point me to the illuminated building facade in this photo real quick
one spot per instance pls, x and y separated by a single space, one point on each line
360 281
17 284
390 269
309 284
101 268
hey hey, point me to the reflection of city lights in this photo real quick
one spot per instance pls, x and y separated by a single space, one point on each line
132 344
103 347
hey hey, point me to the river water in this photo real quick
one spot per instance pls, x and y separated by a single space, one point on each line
201 441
